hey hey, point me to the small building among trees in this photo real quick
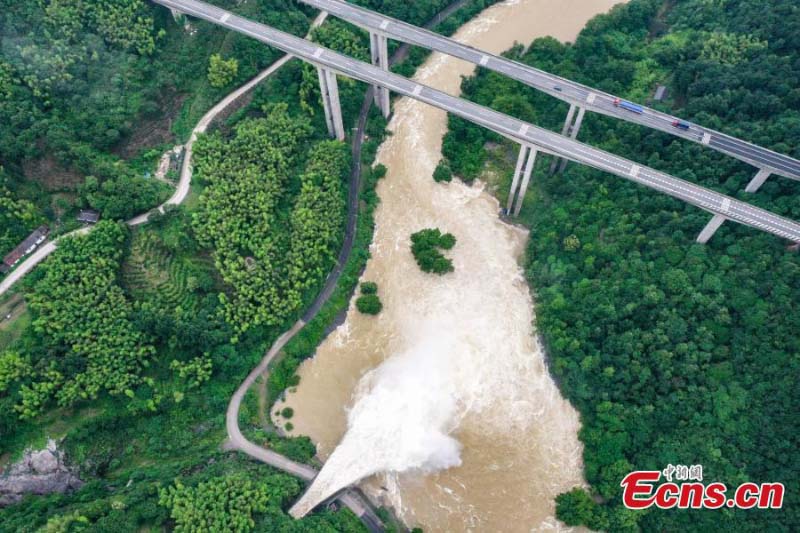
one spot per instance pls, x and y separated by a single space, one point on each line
88 216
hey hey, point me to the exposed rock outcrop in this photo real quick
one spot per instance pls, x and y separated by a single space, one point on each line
38 472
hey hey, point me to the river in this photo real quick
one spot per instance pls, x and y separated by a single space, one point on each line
443 402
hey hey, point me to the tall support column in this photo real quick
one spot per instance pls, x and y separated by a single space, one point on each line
710 229
564 132
523 154
379 48
526 179
323 89
578 121
758 180
573 134
568 122
330 101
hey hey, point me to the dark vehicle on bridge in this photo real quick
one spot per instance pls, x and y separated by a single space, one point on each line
628 106
681 125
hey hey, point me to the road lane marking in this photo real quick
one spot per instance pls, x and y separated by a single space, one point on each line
726 205
706 138
384 24
590 98
635 169
225 17
484 60
524 129
318 52
417 90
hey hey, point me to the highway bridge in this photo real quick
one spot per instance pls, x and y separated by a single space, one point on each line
579 96
531 138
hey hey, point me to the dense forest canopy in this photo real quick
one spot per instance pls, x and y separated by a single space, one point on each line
673 352
85 340
268 251
89 89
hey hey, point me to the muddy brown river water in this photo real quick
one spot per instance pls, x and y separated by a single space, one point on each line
443 402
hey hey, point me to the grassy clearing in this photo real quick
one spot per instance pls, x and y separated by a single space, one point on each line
14 319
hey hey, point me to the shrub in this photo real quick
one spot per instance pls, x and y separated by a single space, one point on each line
425 246
287 412
221 504
369 304
369 287
222 72
443 172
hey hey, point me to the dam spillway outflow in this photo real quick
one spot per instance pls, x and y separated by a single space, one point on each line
442 406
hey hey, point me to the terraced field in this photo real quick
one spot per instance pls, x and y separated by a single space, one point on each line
153 272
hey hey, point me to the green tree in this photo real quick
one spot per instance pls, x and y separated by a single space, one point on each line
425 246
576 507
18 218
6 80
269 257
226 504
442 172
369 287
221 72
369 304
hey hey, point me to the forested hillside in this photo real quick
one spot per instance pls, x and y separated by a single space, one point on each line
149 330
267 246
92 92
672 351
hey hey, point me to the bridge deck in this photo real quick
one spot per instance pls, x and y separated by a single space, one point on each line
505 125
570 91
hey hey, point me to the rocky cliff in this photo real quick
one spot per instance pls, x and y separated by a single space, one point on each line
38 472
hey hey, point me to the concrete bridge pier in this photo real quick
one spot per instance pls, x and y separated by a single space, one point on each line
710 229
564 132
574 129
572 126
525 180
379 48
329 88
525 161
758 180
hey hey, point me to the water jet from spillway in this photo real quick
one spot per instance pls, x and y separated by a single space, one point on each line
402 418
